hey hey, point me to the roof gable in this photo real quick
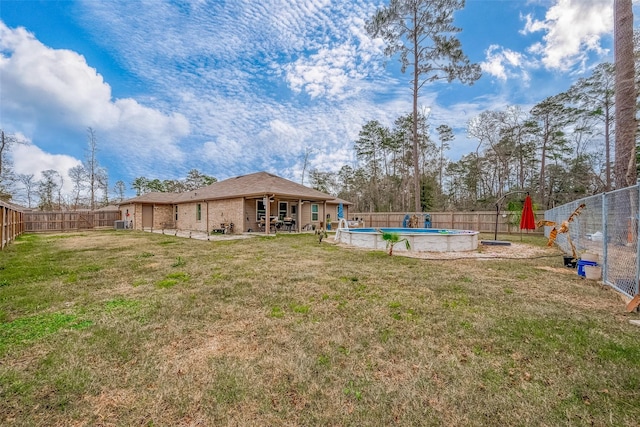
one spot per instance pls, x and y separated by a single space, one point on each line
152 197
254 185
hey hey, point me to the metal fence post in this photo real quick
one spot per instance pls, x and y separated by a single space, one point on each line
605 238
637 217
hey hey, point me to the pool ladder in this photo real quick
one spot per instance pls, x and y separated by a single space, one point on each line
342 224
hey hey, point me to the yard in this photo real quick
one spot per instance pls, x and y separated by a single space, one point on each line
131 328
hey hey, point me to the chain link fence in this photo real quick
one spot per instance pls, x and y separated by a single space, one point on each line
606 226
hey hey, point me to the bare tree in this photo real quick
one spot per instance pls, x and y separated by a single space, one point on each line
59 190
307 153
47 189
91 166
445 135
102 178
119 189
78 176
29 186
7 177
5 144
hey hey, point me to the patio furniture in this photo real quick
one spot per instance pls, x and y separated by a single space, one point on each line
275 223
225 228
288 224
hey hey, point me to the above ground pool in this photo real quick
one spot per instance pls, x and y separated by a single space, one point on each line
420 239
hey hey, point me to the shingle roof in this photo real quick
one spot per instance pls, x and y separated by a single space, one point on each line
338 200
256 185
153 197
108 208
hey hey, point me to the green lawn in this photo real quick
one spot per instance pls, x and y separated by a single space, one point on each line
129 328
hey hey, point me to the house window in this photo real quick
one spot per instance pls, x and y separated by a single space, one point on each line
314 212
260 210
198 212
282 210
176 215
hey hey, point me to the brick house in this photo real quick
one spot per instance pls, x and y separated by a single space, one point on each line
244 201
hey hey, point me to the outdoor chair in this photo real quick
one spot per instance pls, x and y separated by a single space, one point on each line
288 224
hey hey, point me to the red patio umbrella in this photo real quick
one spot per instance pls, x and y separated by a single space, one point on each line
528 219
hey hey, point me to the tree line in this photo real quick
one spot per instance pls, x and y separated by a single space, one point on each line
560 150
194 180
89 182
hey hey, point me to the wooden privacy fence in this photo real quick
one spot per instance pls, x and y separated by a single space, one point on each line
483 221
37 222
11 223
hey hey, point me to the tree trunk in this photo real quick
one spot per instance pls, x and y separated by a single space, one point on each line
625 167
543 163
416 160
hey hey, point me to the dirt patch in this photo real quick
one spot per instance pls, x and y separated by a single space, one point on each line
108 403
97 241
563 270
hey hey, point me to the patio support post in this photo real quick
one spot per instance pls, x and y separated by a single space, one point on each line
299 216
267 214
324 215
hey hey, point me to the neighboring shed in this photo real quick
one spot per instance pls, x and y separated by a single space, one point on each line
243 201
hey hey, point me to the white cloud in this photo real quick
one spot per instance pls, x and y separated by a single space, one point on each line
239 62
504 63
40 85
337 68
325 74
223 153
29 159
573 29
231 68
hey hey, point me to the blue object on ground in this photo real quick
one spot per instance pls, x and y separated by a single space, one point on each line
581 265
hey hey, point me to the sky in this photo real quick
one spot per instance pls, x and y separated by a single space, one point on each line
235 87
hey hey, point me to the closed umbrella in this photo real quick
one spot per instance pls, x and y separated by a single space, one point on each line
528 219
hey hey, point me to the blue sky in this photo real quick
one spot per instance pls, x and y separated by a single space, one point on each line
234 87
